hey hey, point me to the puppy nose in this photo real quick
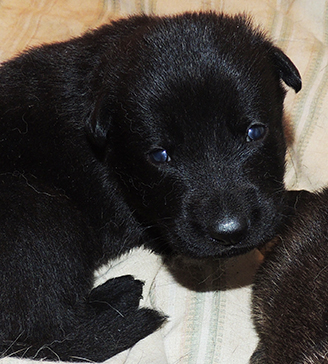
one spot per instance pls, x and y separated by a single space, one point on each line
229 230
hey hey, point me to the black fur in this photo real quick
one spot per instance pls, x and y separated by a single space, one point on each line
290 290
163 132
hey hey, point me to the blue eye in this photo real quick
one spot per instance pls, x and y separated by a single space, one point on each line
255 132
159 156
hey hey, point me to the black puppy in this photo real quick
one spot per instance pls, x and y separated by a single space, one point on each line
290 291
163 132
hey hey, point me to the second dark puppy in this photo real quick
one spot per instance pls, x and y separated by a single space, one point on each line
290 292
163 132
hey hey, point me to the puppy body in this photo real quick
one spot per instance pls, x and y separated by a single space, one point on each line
290 294
163 132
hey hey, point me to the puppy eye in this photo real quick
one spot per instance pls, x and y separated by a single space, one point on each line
255 132
159 156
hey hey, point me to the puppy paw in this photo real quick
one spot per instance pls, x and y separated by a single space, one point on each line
121 293
145 321
136 325
102 337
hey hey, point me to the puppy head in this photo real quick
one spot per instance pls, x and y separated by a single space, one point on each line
194 132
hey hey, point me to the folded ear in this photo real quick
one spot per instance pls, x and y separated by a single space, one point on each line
288 72
99 121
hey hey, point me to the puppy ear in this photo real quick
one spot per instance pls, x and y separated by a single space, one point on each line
288 72
99 121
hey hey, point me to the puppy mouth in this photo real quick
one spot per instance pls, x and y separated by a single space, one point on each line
210 247
222 249
226 250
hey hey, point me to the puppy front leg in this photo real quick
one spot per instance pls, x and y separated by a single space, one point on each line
48 309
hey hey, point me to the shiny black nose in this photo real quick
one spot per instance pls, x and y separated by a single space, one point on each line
229 230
